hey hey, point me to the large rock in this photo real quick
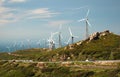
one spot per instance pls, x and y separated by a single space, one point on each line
79 43
104 33
70 46
94 36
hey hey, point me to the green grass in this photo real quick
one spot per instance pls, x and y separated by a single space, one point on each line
105 48
18 69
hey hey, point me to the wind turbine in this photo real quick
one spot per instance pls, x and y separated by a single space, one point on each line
38 43
8 48
22 45
87 23
15 46
51 41
44 43
28 40
59 35
71 37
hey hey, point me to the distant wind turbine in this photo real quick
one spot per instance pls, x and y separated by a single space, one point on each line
59 35
38 43
87 23
28 40
15 46
71 37
44 43
8 48
22 45
51 41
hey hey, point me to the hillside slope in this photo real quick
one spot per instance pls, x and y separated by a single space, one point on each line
99 46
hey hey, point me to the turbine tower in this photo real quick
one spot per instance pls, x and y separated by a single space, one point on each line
87 23
22 45
59 35
51 42
38 43
29 44
15 46
71 37
8 48
44 43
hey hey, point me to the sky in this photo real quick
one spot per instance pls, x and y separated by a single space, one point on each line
36 19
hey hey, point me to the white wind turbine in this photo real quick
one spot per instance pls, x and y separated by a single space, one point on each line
87 23
71 37
38 43
15 46
8 48
51 41
22 45
44 43
59 36
29 46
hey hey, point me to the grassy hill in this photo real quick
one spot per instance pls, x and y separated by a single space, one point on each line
21 69
99 46
104 46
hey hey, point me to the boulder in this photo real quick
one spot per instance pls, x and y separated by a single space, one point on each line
79 43
94 36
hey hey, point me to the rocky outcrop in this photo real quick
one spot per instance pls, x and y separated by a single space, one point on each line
104 33
94 36
97 35
79 43
70 46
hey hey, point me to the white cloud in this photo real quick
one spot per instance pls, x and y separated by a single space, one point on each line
10 15
40 13
6 21
40 16
5 9
7 15
13 15
1 1
17 1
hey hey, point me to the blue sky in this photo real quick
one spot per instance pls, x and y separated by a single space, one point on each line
36 19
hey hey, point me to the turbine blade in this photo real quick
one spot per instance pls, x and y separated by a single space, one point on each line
55 33
70 32
87 13
61 36
76 36
88 23
69 40
81 20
